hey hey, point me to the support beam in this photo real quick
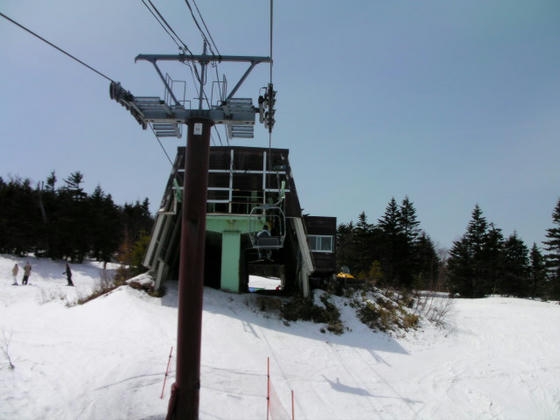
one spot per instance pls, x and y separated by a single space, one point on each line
231 253
185 393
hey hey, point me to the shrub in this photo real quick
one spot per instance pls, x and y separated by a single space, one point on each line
300 308
386 312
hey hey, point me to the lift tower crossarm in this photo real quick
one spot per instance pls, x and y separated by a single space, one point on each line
204 59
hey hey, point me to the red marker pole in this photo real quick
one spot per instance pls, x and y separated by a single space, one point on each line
166 373
293 417
267 388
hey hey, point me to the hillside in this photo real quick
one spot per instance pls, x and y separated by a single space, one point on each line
497 357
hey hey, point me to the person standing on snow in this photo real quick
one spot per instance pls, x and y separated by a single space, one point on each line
14 274
26 273
68 273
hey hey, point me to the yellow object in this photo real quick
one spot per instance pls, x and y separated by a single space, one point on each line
345 276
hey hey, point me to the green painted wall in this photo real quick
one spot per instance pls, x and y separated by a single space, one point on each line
231 227
231 252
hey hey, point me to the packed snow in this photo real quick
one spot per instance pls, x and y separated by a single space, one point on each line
497 358
257 283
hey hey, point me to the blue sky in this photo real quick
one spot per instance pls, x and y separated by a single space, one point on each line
450 103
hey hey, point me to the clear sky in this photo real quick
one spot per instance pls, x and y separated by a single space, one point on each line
452 103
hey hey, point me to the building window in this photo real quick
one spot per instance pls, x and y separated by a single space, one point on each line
320 243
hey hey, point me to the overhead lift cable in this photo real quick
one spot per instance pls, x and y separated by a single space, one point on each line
75 59
177 37
215 65
208 103
211 43
58 48
206 27
173 38
162 148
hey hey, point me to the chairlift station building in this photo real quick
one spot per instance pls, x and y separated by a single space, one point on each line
248 187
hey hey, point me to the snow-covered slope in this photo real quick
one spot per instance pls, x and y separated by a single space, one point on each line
498 358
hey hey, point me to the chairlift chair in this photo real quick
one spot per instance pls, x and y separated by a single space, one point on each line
273 217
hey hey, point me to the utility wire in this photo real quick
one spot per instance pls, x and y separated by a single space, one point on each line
59 49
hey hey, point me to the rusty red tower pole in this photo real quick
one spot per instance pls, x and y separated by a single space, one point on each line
185 392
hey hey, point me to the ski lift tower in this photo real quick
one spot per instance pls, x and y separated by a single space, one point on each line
238 114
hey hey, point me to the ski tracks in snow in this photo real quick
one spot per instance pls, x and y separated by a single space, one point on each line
360 369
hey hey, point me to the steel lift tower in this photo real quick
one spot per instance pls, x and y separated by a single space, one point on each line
238 114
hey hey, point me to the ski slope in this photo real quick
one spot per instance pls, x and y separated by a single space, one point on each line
498 358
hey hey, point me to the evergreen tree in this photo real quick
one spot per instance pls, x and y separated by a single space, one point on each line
389 224
407 252
516 267
407 221
427 263
362 244
477 239
552 256
74 185
493 257
476 232
66 223
74 227
468 263
19 217
136 219
537 273
344 245
460 269
51 205
104 224
51 181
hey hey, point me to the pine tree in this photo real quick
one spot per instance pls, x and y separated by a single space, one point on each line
361 244
73 228
537 273
477 239
427 263
407 221
467 264
407 253
74 185
51 181
476 232
552 256
493 257
105 225
344 245
389 223
516 267
460 269
392 237
19 217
